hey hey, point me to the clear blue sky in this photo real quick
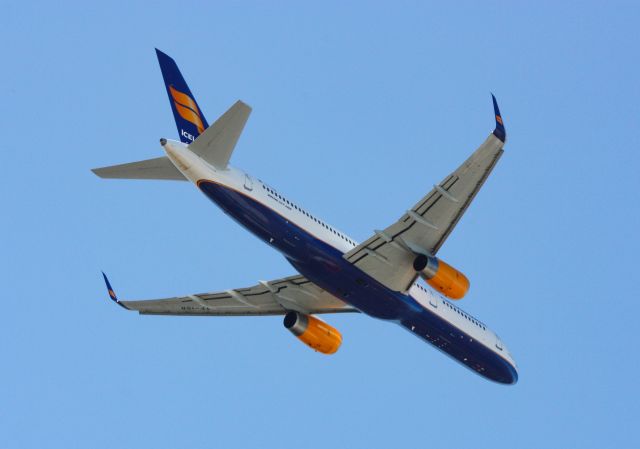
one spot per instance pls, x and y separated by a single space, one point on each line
358 110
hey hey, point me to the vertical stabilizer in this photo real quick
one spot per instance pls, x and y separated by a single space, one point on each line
189 118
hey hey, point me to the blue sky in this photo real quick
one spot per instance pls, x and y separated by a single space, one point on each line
358 110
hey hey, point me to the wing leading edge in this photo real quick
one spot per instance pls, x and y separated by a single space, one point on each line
388 255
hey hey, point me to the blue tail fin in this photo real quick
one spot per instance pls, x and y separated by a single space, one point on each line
189 118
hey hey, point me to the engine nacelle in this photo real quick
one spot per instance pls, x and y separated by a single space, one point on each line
313 332
441 276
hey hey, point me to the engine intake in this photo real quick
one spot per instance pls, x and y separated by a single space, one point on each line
441 276
313 332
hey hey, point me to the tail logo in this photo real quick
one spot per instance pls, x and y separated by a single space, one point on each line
187 108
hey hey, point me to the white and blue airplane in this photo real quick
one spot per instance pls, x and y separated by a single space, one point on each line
378 277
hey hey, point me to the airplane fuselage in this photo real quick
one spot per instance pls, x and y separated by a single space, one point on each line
316 250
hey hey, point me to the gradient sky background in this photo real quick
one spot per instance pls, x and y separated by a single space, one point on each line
358 110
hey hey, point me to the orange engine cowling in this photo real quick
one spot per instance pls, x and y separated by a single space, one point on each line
441 276
313 332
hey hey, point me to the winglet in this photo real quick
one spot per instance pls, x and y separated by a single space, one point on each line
499 132
112 294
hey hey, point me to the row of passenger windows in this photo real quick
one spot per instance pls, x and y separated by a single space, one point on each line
302 211
460 312
455 309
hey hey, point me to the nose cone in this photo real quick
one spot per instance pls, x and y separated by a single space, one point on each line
510 375
509 370
502 371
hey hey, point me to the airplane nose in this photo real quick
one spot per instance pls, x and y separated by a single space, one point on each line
510 369
504 373
512 377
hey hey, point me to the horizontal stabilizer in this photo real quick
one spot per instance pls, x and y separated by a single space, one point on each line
158 168
217 142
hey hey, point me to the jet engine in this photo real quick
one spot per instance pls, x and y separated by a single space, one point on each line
441 276
313 332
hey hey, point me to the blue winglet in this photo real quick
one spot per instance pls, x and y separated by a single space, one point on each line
112 294
499 132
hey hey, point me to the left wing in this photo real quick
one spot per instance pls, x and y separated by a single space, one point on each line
267 298
388 255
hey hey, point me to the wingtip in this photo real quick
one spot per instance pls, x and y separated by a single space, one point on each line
112 294
499 130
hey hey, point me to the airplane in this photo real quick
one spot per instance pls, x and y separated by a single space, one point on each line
379 277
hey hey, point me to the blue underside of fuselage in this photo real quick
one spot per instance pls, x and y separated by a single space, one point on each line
324 265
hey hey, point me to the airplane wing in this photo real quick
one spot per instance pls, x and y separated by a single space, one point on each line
267 298
388 255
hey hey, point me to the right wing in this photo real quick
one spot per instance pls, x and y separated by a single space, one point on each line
388 255
267 298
